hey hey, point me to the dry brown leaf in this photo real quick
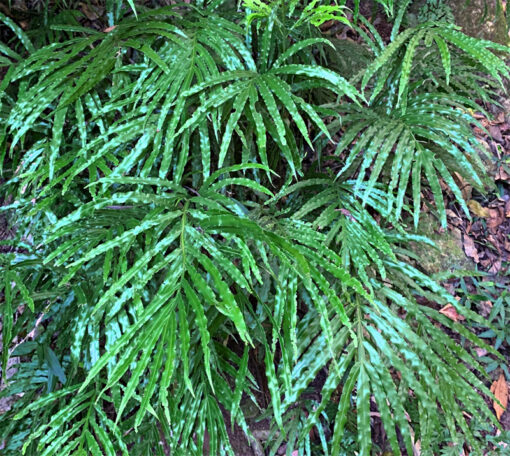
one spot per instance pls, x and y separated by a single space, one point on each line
464 186
450 312
496 218
495 242
500 118
502 175
500 390
476 208
88 12
485 308
470 249
496 267
495 133
480 352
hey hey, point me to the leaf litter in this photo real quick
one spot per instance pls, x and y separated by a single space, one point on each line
486 235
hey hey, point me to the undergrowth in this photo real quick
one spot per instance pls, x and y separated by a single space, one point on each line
204 188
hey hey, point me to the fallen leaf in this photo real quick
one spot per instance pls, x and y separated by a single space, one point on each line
496 218
496 267
88 12
464 186
500 118
495 133
480 352
500 390
476 208
470 249
485 308
450 312
486 263
495 242
502 174
326 25
453 218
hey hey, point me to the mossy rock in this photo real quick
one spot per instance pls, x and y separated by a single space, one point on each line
481 18
448 256
478 18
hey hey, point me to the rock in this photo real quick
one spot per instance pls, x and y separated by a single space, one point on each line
481 19
478 18
448 256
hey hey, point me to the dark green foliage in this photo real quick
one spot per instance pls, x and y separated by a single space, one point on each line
435 10
496 326
178 209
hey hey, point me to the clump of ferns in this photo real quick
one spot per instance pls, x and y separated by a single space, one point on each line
172 210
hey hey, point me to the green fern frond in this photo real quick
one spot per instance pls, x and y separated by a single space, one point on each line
369 360
400 53
431 139
182 63
191 295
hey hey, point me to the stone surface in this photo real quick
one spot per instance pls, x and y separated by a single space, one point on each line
481 19
448 256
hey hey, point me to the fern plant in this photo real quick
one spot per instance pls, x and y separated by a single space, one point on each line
173 236
422 124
